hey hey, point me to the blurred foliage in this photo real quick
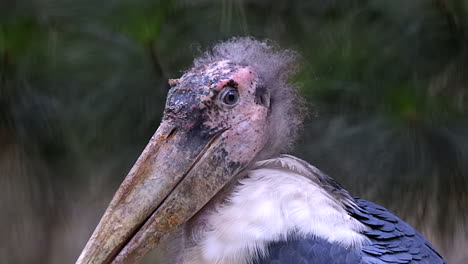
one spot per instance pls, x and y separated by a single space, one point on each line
83 85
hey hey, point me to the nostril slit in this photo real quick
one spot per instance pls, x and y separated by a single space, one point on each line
172 133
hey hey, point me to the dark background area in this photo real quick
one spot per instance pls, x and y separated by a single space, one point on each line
83 86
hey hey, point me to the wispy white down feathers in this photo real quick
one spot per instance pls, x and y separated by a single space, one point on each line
273 203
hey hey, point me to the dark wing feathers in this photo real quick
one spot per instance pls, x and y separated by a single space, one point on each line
392 241
310 251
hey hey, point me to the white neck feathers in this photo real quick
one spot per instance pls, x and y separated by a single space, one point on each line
280 199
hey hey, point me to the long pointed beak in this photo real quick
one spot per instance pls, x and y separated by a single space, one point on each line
176 175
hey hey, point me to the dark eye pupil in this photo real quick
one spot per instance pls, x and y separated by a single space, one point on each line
231 97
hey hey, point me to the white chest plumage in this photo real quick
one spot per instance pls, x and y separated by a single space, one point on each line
278 200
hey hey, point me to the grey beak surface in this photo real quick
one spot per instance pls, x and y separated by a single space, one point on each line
167 185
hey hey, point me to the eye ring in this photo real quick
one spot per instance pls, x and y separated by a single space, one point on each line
228 97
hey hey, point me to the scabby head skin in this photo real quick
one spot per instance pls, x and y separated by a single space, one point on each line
196 104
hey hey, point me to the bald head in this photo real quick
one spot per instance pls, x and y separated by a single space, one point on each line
223 95
272 68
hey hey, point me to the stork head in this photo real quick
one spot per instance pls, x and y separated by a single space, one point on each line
233 107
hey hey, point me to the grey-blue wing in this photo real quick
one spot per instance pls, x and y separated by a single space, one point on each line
392 241
310 251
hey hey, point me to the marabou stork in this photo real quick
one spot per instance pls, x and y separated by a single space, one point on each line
212 186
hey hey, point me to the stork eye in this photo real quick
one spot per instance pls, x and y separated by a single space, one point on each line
228 97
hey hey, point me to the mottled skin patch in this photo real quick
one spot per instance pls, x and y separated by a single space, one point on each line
193 104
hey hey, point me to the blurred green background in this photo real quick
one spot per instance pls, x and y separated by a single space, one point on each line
83 85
